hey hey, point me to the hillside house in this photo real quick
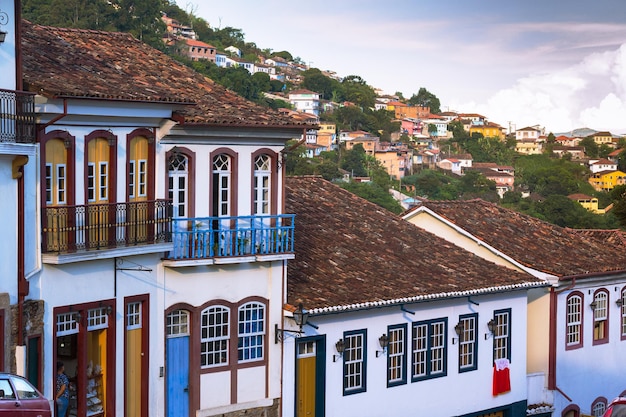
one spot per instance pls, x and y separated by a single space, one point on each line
602 164
588 202
305 101
607 180
196 50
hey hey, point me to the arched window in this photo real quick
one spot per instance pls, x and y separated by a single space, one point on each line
262 184
600 307
178 183
251 333
574 321
598 407
222 183
214 336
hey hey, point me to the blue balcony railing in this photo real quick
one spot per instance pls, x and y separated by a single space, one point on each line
210 237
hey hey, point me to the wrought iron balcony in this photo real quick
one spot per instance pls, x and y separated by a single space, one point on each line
210 237
68 229
17 117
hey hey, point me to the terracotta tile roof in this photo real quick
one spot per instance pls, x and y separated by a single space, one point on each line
530 241
78 63
351 253
613 237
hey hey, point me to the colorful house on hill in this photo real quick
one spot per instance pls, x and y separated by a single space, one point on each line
196 50
305 101
394 312
488 130
164 240
602 164
580 319
603 138
607 180
587 201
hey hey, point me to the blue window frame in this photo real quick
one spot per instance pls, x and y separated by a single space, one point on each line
429 349
354 362
396 355
251 332
468 342
502 334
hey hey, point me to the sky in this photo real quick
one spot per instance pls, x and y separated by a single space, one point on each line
559 64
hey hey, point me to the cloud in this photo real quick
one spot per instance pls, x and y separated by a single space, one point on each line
590 94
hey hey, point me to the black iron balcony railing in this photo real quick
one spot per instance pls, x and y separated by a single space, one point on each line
17 117
210 237
68 229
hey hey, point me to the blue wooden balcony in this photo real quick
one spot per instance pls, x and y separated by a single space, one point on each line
242 236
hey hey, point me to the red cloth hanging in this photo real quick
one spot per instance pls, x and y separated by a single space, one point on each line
501 376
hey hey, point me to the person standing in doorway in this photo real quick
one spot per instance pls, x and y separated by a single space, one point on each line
62 390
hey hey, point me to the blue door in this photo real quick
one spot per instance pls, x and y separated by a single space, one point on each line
177 364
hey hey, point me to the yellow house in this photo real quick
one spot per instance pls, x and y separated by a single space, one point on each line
607 180
603 138
528 147
369 143
588 202
488 130
327 135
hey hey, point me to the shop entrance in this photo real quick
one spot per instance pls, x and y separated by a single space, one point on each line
83 342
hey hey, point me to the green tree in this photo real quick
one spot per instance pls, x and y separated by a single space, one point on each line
374 193
354 160
425 98
618 194
356 90
591 147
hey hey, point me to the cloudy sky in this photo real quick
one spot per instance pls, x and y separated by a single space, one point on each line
560 64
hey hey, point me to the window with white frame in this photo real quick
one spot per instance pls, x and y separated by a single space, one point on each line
103 181
468 342
262 175
574 323
133 315
178 177
67 323
598 407
623 314
396 355
48 180
214 336
502 334
91 182
177 323
221 185
60 181
600 316
428 349
354 362
97 318
251 332
132 174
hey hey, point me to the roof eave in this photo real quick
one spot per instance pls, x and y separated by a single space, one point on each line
425 298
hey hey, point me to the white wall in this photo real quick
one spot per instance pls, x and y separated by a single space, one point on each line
7 49
471 391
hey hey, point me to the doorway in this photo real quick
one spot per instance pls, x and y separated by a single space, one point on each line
310 377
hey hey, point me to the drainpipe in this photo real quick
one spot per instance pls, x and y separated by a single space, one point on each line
22 284
552 347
